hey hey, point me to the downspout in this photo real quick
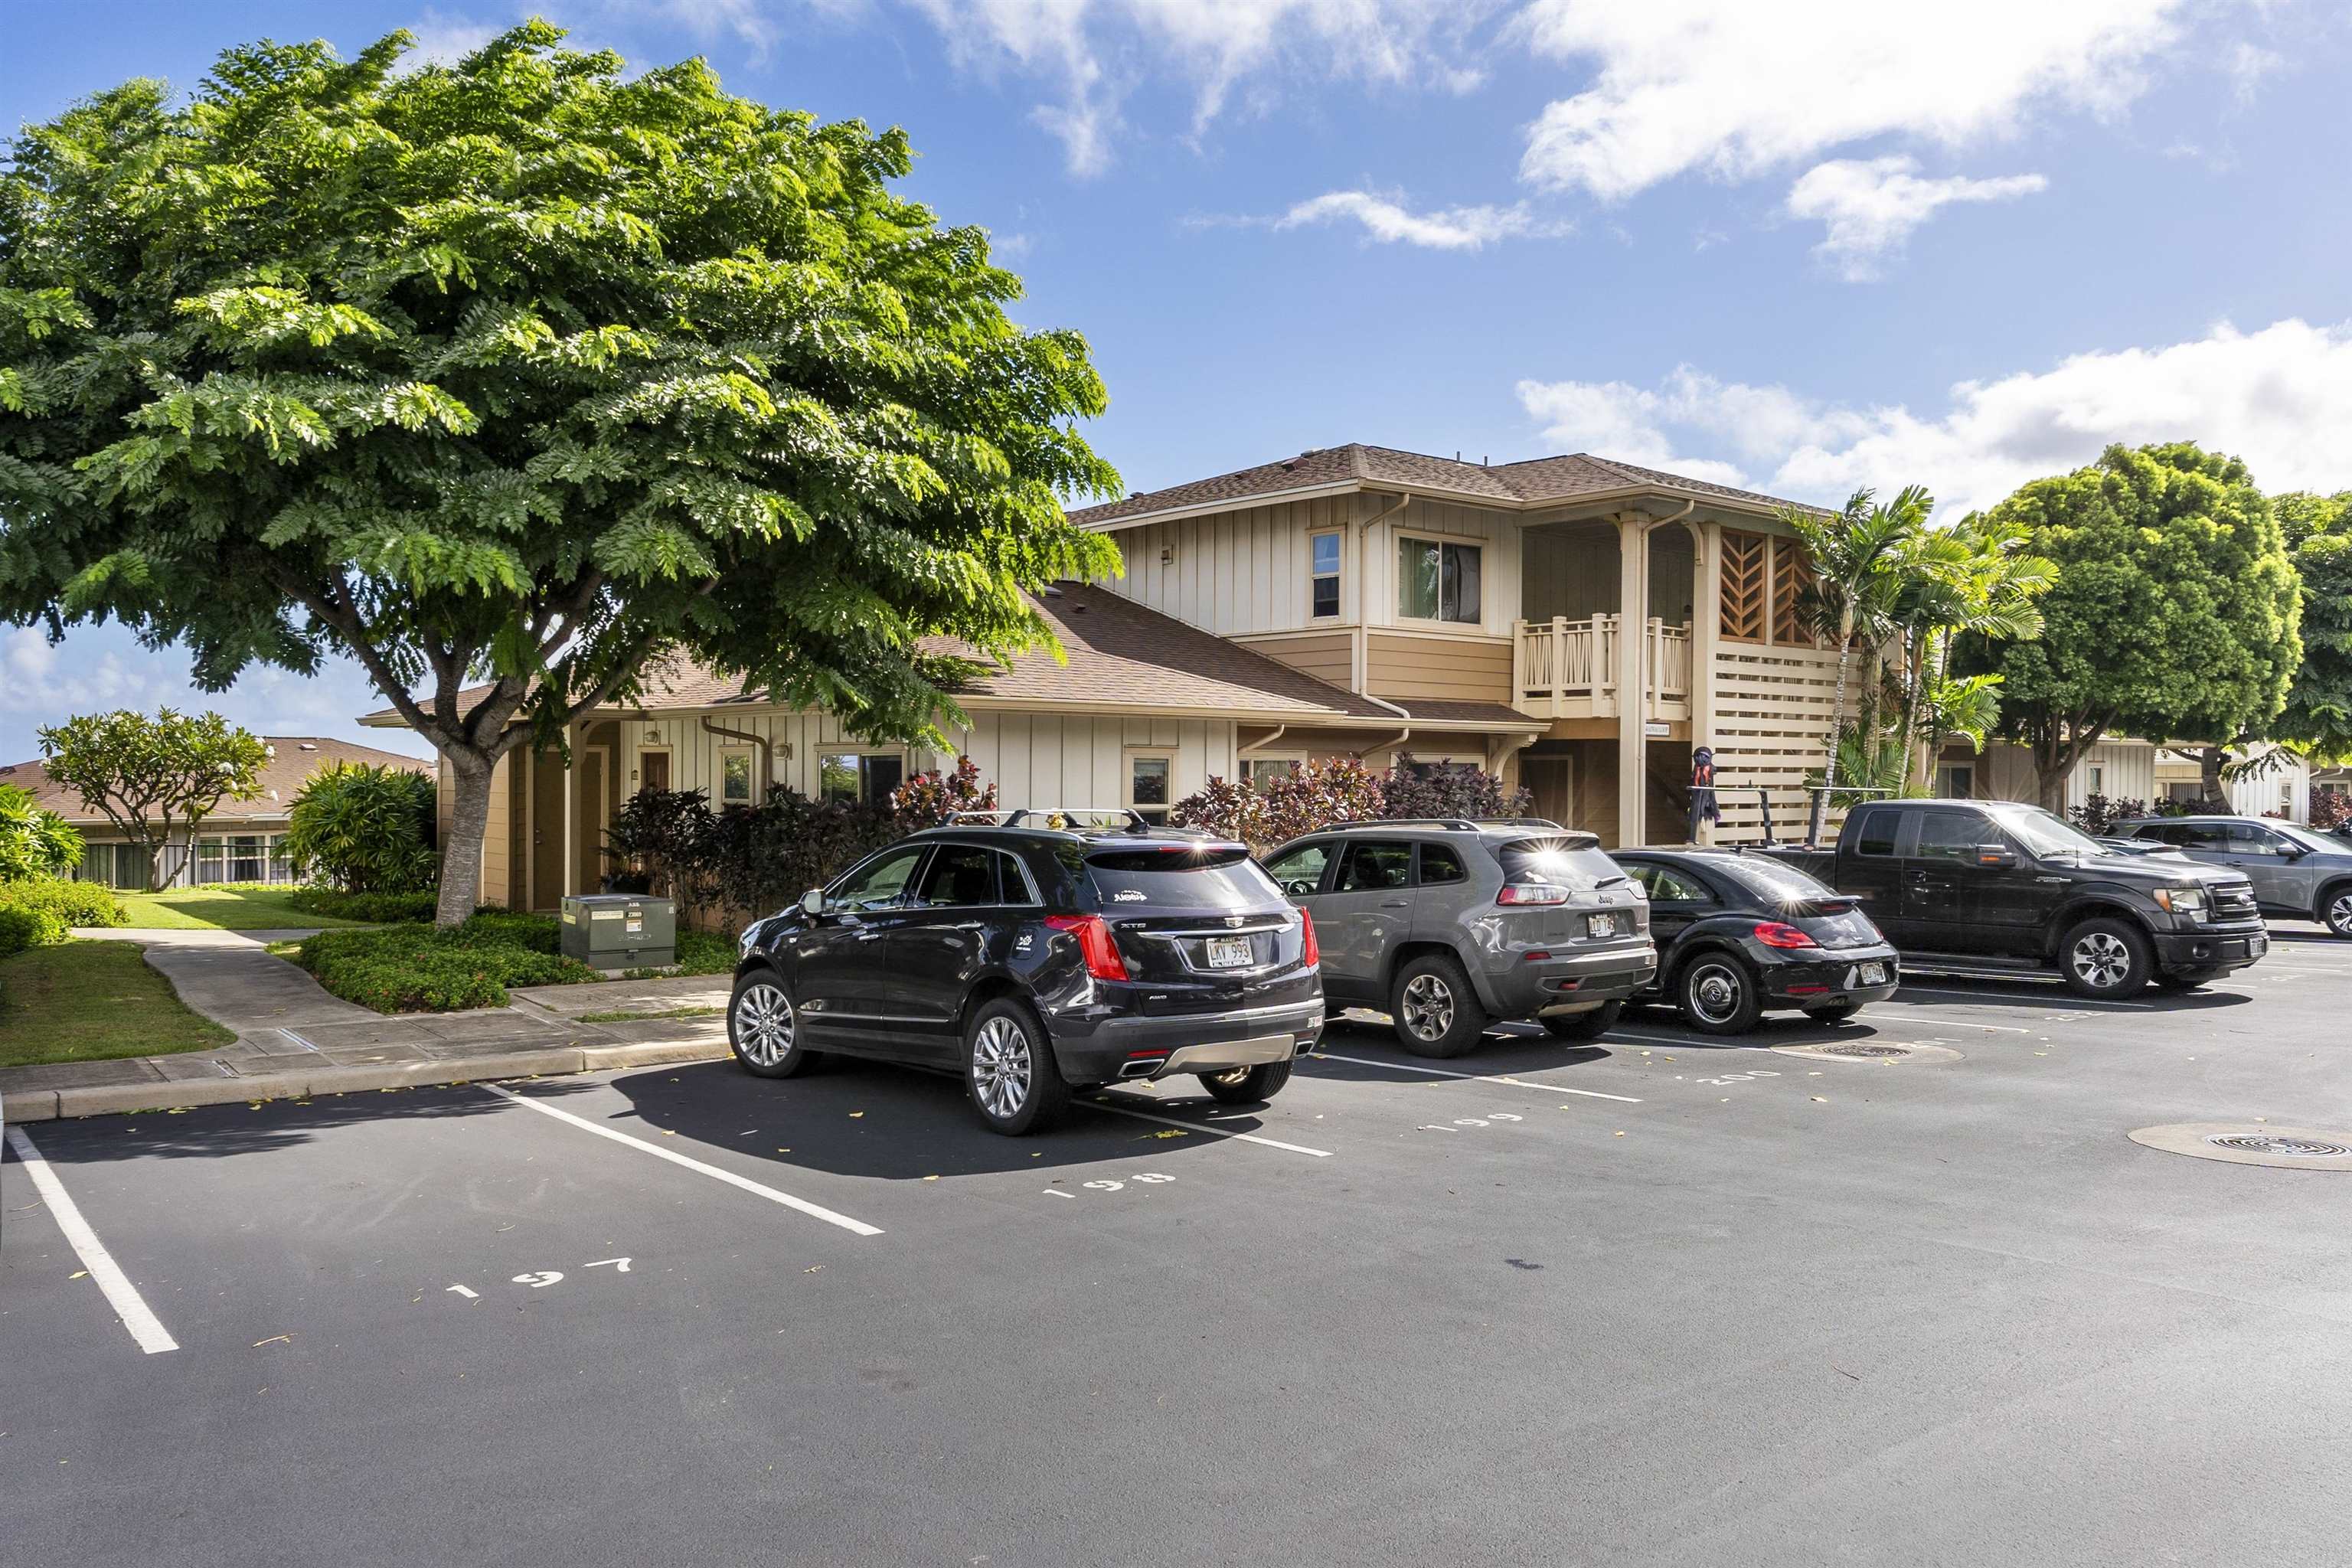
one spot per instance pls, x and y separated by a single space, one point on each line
1362 662
1262 740
767 752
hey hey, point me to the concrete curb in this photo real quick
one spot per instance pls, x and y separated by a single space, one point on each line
300 1081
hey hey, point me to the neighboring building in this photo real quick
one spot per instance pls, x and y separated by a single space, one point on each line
1352 601
2283 790
241 841
2120 768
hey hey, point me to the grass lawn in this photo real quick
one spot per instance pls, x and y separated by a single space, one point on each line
221 909
88 1001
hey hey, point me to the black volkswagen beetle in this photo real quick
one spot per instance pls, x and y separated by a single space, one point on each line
1740 933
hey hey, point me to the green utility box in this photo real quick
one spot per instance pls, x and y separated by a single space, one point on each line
620 931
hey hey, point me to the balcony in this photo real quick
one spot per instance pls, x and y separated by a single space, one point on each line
1564 668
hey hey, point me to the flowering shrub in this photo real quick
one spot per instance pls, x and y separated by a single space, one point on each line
1314 794
929 799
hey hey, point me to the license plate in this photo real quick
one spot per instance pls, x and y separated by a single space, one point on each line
1601 925
1873 974
1229 952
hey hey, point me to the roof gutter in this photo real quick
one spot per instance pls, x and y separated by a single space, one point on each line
1263 742
1582 499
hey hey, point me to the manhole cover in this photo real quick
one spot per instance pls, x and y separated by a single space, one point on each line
1883 1052
2239 1143
2270 1143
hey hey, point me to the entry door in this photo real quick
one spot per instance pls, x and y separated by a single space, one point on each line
652 770
546 830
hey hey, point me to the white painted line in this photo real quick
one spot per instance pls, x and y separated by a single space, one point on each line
121 1294
1478 1077
1100 1104
2058 998
1952 1023
814 1210
1693 1045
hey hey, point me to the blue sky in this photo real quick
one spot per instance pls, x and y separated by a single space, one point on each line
1803 245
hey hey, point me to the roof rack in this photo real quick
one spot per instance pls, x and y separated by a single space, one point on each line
1060 818
1452 823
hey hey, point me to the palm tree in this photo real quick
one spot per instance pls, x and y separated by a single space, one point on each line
1993 593
1856 555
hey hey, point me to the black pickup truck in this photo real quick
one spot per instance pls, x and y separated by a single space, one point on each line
1995 884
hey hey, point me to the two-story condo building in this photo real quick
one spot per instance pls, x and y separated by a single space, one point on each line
1570 623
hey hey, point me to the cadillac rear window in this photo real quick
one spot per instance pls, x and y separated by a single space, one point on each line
1223 877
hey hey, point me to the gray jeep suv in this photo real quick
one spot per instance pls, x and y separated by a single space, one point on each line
2297 873
1448 924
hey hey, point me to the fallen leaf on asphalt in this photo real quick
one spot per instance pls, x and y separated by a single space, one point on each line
1819 1100
783 1151
79 1274
669 1132
856 1114
1172 1132
1038 1156
273 1339
931 1178
1621 1135
813 1268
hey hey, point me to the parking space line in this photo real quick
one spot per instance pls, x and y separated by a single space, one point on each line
1101 1104
1954 1022
814 1210
1476 1076
121 1294
1678 1040
2058 997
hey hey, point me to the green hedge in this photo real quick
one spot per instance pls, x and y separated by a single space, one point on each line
416 969
37 911
382 908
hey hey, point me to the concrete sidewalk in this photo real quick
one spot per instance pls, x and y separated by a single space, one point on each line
293 1039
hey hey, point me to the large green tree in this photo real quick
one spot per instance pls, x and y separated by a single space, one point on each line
520 374
2317 718
2173 616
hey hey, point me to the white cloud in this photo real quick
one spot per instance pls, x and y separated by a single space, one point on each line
1093 50
1870 205
1389 221
1734 88
443 40
2280 398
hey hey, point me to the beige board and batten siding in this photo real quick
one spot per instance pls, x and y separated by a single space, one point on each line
1051 761
1326 656
1495 533
1240 570
2005 772
1400 666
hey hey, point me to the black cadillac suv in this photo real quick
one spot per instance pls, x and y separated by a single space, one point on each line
1038 958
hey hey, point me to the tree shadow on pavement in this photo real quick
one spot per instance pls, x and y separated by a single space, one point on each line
247 1127
853 1118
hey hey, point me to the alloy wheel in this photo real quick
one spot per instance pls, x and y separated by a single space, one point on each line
1428 1007
2102 960
1714 993
2339 914
1000 1067
764 1025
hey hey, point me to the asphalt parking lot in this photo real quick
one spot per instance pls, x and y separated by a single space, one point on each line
1665 1299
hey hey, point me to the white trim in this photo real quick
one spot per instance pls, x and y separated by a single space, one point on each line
850 748
1572 508
1338 575
1129 756
751 755
638 763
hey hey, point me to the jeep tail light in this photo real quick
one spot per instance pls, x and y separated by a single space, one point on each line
1531 893
1311 952
1095 944
1780 933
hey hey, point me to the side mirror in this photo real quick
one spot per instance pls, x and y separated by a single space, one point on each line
812 903
1996 856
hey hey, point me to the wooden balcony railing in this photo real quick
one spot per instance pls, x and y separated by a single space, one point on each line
1564 668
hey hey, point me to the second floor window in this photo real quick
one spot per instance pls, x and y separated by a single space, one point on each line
1323 574
1437 581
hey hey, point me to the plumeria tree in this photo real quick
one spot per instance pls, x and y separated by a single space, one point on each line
155 779
508 377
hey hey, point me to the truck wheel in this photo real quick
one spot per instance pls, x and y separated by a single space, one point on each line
2106 958
2336 908
1247 1085
1588 1026
1718 995
1010 1070
764 1027
1436 1013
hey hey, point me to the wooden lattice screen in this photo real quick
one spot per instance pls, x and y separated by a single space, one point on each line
1743 556
1790 576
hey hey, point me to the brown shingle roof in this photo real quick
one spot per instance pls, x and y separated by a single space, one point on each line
295 758
1120 655
1537 481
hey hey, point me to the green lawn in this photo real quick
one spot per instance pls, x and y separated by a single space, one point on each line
221 909
89 1001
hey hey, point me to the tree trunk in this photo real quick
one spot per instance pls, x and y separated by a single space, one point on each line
1820 819
2210 793
470 819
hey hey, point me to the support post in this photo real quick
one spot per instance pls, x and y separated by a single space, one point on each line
1705 636
1632 682
571 811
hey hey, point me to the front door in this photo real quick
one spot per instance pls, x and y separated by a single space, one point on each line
2270 862
547 776
1366 916
840 961
652 770
940 944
